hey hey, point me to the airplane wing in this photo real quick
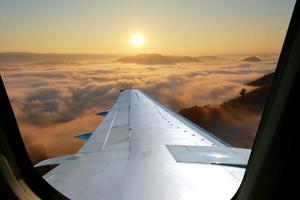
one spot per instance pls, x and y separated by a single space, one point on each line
144 150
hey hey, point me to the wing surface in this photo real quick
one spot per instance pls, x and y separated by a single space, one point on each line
144 150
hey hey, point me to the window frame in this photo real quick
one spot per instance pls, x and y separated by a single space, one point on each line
267 174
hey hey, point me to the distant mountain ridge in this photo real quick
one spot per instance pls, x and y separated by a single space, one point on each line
252 59
157 59
7 57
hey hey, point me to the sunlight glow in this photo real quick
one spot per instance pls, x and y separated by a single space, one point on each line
137 40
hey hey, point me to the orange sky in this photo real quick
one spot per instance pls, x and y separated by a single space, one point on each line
193 28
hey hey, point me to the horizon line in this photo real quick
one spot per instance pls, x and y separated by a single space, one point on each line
110 54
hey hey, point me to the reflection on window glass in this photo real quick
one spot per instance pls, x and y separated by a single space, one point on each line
212 62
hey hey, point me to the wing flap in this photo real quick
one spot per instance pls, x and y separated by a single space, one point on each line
235 157
84 136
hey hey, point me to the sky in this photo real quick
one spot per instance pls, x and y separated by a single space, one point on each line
192 27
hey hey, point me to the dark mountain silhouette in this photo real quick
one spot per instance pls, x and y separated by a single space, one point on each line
156 59
236 120
264 80
252 59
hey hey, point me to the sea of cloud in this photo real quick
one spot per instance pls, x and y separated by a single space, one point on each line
53 101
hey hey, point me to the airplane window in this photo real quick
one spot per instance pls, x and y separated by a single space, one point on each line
180 85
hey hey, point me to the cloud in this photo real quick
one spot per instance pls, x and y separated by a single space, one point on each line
52 101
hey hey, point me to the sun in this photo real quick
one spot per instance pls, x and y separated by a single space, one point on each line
137 40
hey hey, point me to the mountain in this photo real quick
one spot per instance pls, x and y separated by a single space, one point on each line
236 120
23 57
252 59
264 80
157 59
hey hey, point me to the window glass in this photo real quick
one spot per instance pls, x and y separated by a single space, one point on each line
210 61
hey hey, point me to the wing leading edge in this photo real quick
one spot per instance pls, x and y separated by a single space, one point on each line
144 150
